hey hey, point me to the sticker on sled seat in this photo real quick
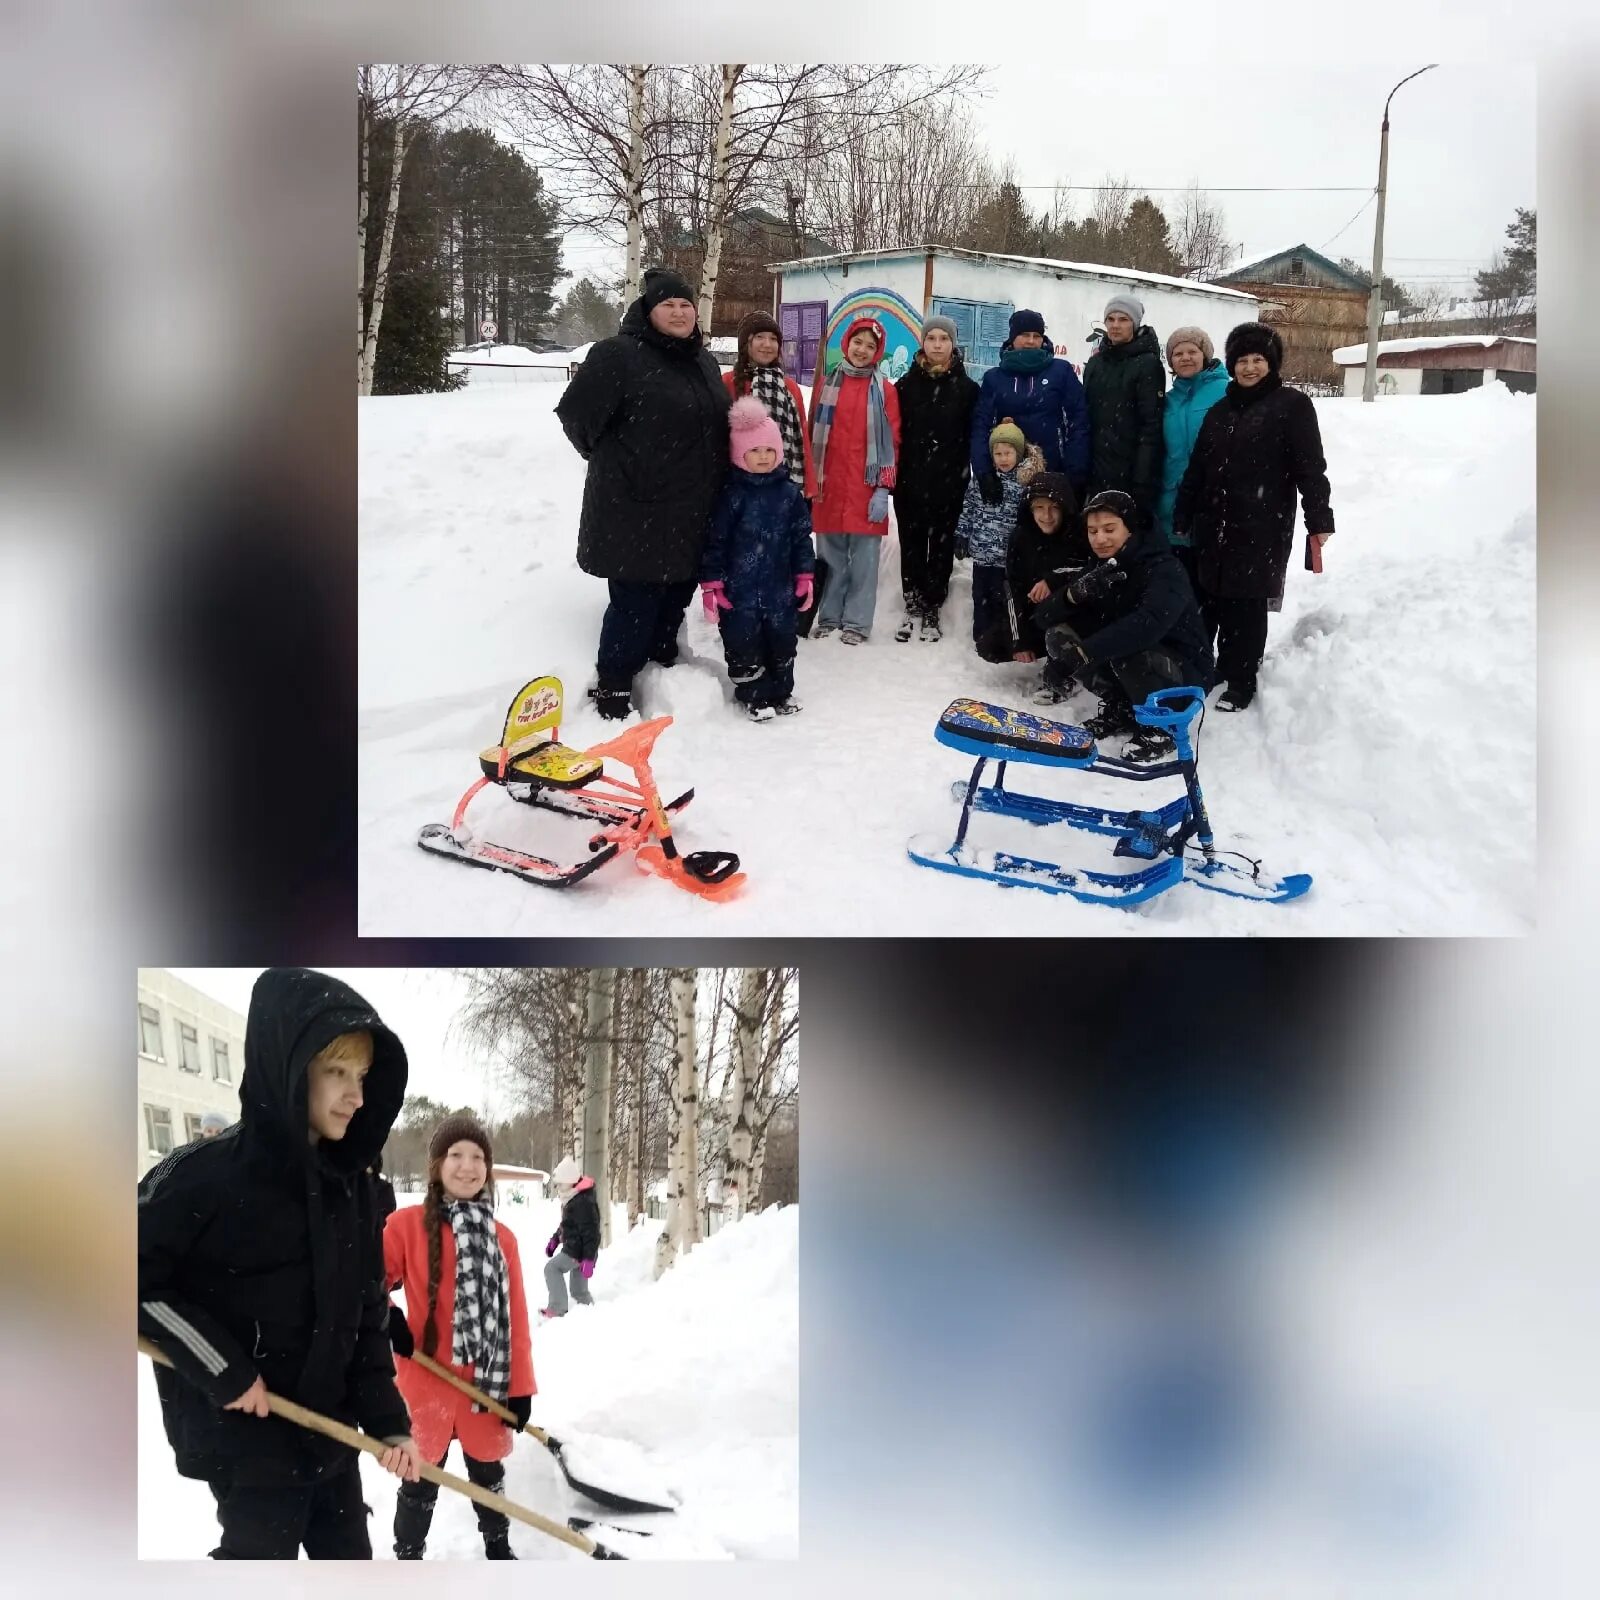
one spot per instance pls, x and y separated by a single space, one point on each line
558 765
980 728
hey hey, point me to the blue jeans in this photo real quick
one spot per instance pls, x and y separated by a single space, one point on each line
641 624
761 641
851 596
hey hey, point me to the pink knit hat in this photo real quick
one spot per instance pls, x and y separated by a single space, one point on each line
751 426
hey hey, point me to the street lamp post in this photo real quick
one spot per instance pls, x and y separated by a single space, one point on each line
1369 387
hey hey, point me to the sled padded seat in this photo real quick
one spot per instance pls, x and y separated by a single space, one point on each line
555 766
981 728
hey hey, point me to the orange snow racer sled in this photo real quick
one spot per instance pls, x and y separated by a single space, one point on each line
534 767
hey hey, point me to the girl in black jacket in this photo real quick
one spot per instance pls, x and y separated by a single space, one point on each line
1257 446
936 401
575 1245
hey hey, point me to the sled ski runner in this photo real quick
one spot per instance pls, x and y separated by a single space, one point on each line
536 769
598 1493
315 1422
1175 839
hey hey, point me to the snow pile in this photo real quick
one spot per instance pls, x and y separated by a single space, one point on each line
1390 752
1350 355
689 1384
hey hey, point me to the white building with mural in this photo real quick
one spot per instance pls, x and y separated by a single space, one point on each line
815 297
190 1058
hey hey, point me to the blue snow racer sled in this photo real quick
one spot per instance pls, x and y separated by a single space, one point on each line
1176 840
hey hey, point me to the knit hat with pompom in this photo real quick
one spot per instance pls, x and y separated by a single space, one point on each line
751 426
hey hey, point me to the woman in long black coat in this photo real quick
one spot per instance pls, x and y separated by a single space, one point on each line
1258 446
648 411
936 401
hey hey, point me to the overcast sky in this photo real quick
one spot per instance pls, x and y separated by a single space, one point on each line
419 1004
1461 153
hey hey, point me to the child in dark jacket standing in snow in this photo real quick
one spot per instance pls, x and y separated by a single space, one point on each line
758 564
260 1270
985 529
575 1245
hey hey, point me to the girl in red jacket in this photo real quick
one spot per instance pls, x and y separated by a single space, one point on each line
855 441
465 1309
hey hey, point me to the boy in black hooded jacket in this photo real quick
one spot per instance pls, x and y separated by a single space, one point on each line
261 1268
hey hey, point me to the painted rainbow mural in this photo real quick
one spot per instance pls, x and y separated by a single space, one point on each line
902 328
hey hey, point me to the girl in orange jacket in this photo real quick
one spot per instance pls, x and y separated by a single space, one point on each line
466 1310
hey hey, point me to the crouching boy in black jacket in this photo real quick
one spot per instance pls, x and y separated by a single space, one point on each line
261 1268
1129 625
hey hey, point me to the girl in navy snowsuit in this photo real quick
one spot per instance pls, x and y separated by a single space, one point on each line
756 573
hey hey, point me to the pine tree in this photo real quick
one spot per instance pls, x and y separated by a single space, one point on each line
1146 240
1514 272
588 313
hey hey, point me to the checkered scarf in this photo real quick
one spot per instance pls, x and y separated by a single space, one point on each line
768 386
481 1317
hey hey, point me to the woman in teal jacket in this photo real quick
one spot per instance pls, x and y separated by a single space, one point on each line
1199 380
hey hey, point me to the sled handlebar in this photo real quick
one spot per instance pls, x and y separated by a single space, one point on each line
1170 708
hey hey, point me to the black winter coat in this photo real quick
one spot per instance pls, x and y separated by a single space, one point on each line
650 416
935 440
1257 446
1034 557
1152 607
260 1253
580 1226
1125 383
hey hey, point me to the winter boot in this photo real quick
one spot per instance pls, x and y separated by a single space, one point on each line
853 636
760 713
823 629
547 1312
413 1516
1114 716
499 1549
907 624
1237 696
1148 745
930 633
787 708
612 704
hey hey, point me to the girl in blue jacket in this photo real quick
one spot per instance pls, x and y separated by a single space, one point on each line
1199 380
757 570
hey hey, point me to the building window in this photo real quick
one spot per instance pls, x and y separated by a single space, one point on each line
220 1070
1297 267
191 1127
188 1048
158 1130
150 1033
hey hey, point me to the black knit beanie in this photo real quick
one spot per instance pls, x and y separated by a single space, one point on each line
662 283
1117 503
1254 339
460 1125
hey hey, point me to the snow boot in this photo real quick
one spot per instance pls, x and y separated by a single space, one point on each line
1149 745
1114 716
907 624
499 1549
853 636
547 1312
787 708
930 632
612 704
1236 697
413 1516
760 713
823 629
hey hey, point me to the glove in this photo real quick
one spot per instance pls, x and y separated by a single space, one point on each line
400 1332
989 488
714 599
962 549
886 477
1096 583
554 1244
521 1407
586 1268
878 505
802 590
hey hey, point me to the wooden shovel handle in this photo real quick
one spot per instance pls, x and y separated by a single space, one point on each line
488 1402
317 1423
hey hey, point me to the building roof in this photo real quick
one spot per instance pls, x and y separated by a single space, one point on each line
1246 271
1463 310
1038 263
1353 355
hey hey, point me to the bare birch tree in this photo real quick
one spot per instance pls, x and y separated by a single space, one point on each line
635 183
1200 235
739 1095
598 1052
409 97
719 193
683 1160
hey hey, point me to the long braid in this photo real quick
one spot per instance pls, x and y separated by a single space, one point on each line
433 1222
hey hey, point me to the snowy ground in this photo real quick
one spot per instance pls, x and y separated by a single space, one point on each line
1390 753
692 1382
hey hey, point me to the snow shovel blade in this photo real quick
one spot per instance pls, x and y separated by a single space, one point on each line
594 1491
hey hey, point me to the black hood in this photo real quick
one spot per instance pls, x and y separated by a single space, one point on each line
1144 342
294 1012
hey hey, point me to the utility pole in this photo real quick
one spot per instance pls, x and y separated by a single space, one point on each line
1369 387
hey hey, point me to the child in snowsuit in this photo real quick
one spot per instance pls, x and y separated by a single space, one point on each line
758 564
1129 625
855 443
260 1269
465 1306
985 528
1047 550
575 1245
